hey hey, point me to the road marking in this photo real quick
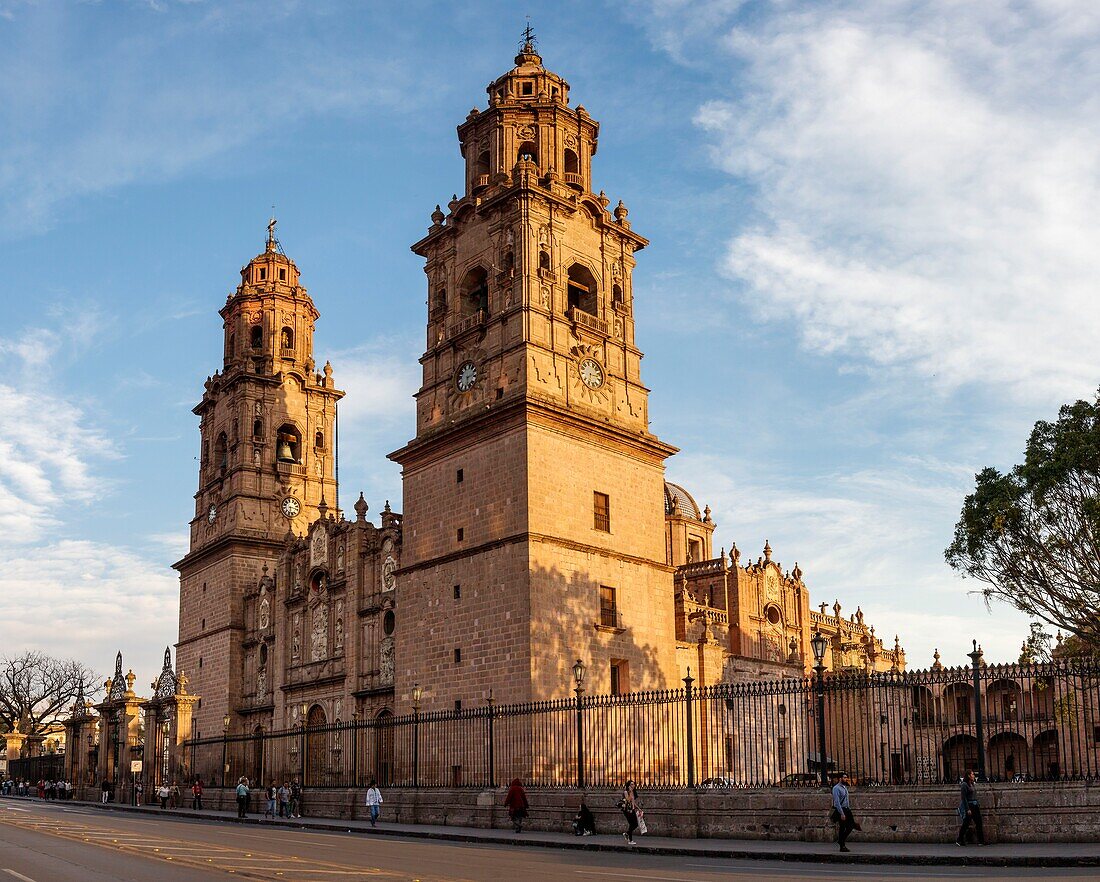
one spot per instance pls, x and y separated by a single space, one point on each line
18 875
634 875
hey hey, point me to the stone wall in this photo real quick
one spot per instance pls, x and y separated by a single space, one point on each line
1012 812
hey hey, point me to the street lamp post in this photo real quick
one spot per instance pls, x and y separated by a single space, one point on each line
417 695
979 726
579 670
819 643
226 720
303 709
492 762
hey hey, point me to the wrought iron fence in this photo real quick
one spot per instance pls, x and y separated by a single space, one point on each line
48 767
1008 722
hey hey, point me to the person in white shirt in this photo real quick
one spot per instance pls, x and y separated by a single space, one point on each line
374 801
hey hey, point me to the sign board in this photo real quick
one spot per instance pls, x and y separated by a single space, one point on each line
135 766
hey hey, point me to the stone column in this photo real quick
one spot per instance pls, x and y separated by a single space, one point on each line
14 740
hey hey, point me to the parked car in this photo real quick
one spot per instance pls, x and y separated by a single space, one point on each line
719 783
800 779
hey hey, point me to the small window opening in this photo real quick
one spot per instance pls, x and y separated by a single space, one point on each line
458 592
257 337
509 263
263 655
458 655
458 476
200 661
609 613
475 292
481 167
572 164
582 289
620 676
203 626
695 551
221 452
282 275
289 448
388 622
528 150
601 512
258 430
616 295
544 261
263 273
439 302
528 88
461 534
319 440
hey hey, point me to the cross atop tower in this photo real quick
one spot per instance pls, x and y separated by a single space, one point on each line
528 37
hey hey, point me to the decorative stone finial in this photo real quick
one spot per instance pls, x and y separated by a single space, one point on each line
621 212
181 683
322 507
859 615
603 200
130 677
706 515
361 508
437 217
767 550
936 660
387 508
796 573
735 554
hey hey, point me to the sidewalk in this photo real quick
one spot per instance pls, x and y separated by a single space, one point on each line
1055 854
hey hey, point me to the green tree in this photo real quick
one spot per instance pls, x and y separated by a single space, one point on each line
1033 534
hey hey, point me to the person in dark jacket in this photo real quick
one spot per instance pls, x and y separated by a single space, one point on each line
969 810
628 805
842 811
583 822
516 801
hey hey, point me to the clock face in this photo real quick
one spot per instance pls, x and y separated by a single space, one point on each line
466 377
211 513
591 373
291 507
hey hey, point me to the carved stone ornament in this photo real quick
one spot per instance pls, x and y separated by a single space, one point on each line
385 663
261 682
296 640
318 638
571 141
340 557
254 318
265 614
319 547
526 133
389 580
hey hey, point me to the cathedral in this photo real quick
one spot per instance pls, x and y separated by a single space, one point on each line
536 526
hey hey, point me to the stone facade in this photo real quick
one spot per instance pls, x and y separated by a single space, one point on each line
537 525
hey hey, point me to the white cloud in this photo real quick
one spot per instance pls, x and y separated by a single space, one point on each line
927 184
87 600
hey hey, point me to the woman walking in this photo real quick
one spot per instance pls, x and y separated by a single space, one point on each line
516 801
242 797
628 805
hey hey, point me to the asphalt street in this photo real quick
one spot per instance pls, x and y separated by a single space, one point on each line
43 842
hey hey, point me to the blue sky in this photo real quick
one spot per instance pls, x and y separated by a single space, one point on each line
872 268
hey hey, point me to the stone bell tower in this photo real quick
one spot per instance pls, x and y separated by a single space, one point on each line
267 463
533 491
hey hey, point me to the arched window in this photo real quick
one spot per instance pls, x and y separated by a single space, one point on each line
258 430
616 295
528 150
509 263
439 300
221 453
544 261
582 293
286 338
572 167
289 446
475 291
319 439
257 337
481 169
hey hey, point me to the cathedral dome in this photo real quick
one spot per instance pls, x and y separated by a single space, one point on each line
677 497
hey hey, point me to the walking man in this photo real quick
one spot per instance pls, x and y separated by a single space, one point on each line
969 810
847 822
196 795
295 799
374 801
284 800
